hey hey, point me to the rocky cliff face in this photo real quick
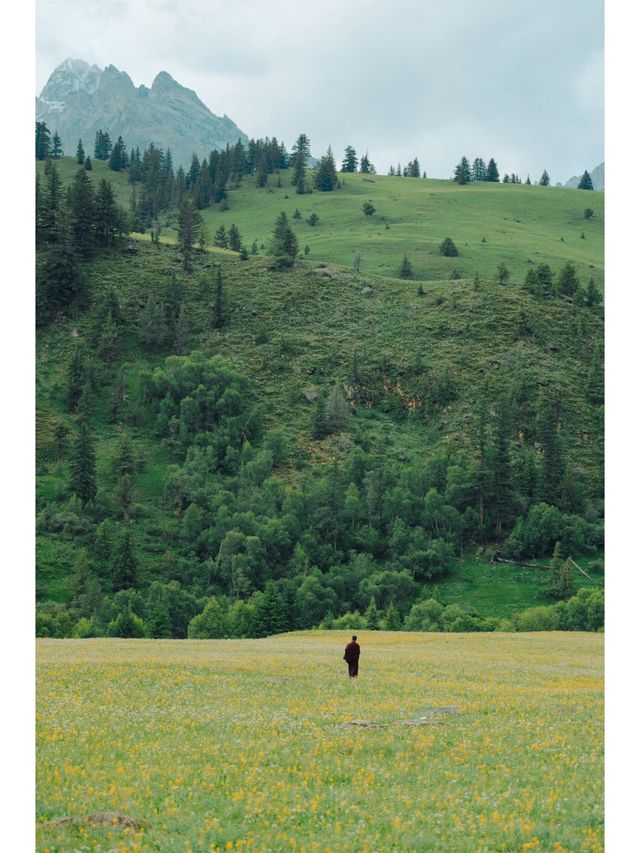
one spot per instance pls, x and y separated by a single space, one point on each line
80 99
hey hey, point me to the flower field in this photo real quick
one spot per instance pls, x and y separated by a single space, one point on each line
446 742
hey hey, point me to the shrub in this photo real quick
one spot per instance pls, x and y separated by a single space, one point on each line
368 209
448 248
424 616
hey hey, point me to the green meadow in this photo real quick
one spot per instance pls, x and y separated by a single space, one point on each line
473 743
490 223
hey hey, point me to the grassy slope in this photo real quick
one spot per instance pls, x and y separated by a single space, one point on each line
521 224
242 745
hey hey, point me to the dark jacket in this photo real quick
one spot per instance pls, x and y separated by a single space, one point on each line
352 652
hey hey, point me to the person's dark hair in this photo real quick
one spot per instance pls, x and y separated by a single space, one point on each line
354 637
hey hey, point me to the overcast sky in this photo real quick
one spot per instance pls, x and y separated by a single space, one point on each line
518 80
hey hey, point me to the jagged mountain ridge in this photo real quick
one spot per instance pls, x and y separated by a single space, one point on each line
80 99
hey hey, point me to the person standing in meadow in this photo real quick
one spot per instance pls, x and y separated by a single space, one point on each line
352 656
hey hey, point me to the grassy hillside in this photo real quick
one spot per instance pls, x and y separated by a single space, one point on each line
490 223
445 742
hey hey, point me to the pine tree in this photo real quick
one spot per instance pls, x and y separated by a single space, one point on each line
553 459
350 162
371 615
218 308
593 296
76 377
270 617
406 270
56 146
43 141
545 180
326 178
220 238
392 618
299 160
235 241
568 281
462 172
561 585
502 478
118 159
448 248
492 171
585 181
336 409
80 155
320 427
124 563
59 281
502 275
83 465
88 165
284 246
479 170
108 220
84 585
189 222
366 167
82 207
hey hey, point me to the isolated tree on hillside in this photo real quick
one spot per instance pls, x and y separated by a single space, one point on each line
545 180
326 178
350 162
88 166
585 182
502 274
405 268
284 246
492 171
448 248
462 172
368 209
235 241
366 166
80 155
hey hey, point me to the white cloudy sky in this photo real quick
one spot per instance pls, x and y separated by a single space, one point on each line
519 80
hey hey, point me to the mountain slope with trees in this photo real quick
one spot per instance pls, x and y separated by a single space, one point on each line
259 442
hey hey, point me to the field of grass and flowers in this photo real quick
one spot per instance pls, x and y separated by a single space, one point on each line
460 743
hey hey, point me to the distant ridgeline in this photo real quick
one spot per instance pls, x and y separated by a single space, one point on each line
236 443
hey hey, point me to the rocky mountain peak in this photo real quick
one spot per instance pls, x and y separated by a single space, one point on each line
79 99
